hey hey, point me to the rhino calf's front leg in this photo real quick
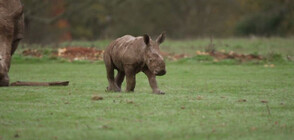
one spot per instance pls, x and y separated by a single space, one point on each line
153 82
130 77
119 78
131 82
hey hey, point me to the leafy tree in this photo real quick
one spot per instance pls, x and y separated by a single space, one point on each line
59 20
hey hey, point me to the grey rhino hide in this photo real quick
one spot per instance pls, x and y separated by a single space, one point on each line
11 32
130 55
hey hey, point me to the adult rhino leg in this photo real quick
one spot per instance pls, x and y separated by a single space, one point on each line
14 46
4 81
5 57
110 74
152 82
18 34
119 78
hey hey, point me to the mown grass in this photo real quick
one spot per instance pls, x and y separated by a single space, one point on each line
201 102
261 46
204 100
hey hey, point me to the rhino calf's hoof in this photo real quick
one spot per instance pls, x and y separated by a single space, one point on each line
112 89
159 92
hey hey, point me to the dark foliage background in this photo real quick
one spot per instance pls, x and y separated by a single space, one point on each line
62 20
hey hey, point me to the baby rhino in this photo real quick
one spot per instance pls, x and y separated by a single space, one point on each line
130 55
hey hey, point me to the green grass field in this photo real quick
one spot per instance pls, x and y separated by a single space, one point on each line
202 101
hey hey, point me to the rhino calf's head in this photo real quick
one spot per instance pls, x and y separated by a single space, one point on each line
152 56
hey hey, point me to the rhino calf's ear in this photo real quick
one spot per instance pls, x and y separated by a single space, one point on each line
160 38
146 39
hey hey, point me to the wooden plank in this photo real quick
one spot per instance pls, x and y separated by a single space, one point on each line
22 83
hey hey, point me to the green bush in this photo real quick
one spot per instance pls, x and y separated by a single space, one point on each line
262 24
274 57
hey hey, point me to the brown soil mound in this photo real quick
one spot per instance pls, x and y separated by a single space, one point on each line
233 55
173 57
31 52
82 53
230 55
79 53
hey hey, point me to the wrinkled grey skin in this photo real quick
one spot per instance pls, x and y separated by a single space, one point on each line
11 32
130 55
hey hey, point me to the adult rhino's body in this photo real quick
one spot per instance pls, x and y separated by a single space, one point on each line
130 55
11 32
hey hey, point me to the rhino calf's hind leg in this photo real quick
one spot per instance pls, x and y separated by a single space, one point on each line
119 78
110 75
112 85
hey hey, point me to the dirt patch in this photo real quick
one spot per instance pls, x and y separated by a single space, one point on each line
269 65
217 55
173 57
220 55
233 55
96 98
32 52
130 102
199 98
16 135
264 101
242 100
80 53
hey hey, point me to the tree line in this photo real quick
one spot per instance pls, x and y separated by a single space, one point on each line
61 20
